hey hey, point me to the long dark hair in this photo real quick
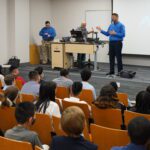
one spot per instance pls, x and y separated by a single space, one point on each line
46 94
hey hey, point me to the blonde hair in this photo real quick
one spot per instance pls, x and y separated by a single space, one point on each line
73 121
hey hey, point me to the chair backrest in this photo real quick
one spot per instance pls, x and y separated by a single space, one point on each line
18 84
43 127
7 118
111 118
83 106
58 101
131 115
37 148
27 97
8 144
123 97
62 92
87 95
106 138
60 132
1 86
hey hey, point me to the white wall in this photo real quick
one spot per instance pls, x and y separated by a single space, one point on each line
40 11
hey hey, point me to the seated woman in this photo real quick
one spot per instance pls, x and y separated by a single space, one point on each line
108 98
46 103
10 96
142 103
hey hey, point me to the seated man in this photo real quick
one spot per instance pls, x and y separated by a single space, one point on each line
24 115
72 123
139 133
41 73
15 72
63 80
32 86
9 81
85 76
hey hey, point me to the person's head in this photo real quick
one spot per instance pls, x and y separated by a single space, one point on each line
86 74
64 73
14 70
76 88
148 89
25 113
114 85
40 72
73 121
139 130
9 80
34 76
47 24
107 98
83 24
115 17
143 102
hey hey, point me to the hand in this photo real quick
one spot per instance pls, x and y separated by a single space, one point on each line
99 28
112 32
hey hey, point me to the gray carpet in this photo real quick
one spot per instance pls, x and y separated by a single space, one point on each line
130 86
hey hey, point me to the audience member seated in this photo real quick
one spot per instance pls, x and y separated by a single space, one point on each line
72 123
24 114
2 76
142 103
9 81
41 74
10 96
85 76
32 86
108 98
75 92
46 103
15 72
139 133
63 80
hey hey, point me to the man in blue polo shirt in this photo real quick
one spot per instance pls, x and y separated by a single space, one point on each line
48 34
116 33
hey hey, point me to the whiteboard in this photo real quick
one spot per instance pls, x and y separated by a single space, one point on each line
135 15
98 18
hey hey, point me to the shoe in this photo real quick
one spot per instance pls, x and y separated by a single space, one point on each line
118 74
109 73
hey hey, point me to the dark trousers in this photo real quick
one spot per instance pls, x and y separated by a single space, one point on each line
115 50
80 59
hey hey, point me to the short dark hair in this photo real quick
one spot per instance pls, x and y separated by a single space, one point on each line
47 22
114 85
64 72
139 130
39 70
76 88
9 79
148 89
24 111
115 14
33 75
86 74
12 68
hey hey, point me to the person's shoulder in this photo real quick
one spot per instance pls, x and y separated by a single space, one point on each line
59 138
91 146
8 132
121 24
119 148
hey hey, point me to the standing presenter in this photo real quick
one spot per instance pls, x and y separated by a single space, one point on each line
116 33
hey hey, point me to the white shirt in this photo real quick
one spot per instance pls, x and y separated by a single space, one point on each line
88 86
51 110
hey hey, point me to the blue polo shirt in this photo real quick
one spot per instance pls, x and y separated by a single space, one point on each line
69 143
119 28
130 147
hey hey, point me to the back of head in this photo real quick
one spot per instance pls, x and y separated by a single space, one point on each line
148 89
64 72
76 88
33 75
24 111
39 70
73 121
9 79
143 102
139 130
114 85
86 74
12 68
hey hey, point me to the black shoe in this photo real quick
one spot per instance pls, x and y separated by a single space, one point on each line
109 73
